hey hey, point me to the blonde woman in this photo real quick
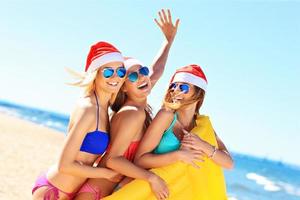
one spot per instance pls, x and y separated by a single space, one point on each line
87 136
131 120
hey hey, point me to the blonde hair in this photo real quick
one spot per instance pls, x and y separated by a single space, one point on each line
85 80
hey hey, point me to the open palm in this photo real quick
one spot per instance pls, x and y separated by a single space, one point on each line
166 25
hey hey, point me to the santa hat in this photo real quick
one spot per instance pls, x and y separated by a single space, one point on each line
192 74
100 54
129 62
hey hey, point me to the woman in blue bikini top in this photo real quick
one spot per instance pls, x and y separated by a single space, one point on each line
87 137
95 142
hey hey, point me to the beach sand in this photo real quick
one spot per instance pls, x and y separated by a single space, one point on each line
26 149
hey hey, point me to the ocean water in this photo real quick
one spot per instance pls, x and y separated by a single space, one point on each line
252 178
44 118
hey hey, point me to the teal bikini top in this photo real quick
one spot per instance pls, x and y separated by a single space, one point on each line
169 142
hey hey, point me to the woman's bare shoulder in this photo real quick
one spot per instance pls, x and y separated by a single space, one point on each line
129 113
84 108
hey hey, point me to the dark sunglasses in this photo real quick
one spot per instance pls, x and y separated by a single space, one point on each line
133 76
109 72
184 87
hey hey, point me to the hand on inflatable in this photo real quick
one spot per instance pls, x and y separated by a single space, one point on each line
166 25
189 155
193 141
159 187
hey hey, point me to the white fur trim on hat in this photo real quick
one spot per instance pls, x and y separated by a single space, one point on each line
131 62
104 59
190 78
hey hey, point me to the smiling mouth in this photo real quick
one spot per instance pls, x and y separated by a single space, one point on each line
114 84
143 86
176 98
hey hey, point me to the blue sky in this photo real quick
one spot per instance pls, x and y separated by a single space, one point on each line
249 50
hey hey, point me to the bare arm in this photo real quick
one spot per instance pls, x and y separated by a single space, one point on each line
144 156
67 161
169 31
220 156
124 128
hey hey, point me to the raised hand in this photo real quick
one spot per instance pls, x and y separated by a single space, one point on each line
166 25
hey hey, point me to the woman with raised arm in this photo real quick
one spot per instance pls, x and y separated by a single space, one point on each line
181 146
131 119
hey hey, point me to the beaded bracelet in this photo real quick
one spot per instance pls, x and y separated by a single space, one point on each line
213 153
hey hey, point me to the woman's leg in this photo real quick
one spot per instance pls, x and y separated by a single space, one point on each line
44 190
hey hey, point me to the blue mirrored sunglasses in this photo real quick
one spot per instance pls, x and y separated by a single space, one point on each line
109 72
184 87
133 76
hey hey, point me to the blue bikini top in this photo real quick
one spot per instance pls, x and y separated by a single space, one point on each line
169 142
95 142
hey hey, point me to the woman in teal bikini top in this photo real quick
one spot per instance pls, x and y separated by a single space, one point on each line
161 144
169 142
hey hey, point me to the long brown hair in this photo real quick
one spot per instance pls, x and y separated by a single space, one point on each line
199 95
120 101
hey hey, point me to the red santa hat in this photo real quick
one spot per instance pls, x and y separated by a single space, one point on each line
129 62
192 74
102 53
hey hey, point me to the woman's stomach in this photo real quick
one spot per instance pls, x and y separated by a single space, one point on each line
67 182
